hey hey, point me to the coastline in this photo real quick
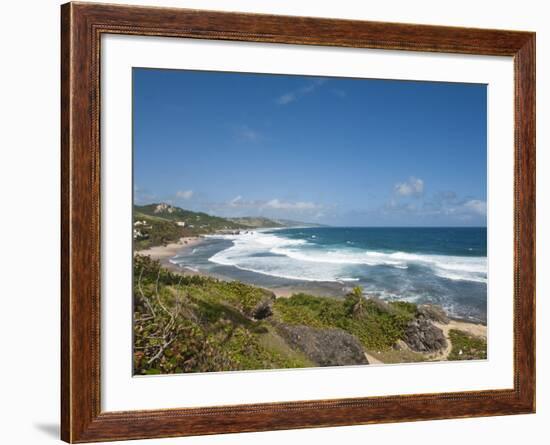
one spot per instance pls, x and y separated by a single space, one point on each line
164 253
323 262
403 354
329 289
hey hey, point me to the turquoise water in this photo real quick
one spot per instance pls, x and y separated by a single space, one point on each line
447 266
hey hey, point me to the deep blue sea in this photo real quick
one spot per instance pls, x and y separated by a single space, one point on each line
447 266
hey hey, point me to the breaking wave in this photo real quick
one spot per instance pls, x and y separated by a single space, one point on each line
271 254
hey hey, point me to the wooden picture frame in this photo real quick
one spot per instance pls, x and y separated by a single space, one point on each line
82 25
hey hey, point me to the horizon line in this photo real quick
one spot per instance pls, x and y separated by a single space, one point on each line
317 223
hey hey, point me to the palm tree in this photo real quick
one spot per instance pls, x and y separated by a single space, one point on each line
356 303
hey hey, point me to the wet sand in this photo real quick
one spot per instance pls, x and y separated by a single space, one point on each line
321 289
325 289
164 253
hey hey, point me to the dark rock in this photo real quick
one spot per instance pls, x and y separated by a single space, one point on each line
422 336
326 347
433 312
263 309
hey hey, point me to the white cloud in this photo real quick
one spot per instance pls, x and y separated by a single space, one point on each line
184 194
235 201
412 187
286 98
294 95
476 206
288 205
239 201
248 134
272 204
444 206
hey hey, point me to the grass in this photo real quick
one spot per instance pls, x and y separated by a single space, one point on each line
157 232
397 356
377 325
466 346
162 225
199 324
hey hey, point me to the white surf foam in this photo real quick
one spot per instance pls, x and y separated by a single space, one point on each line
270 254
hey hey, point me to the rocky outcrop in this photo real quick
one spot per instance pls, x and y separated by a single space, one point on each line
421 335
163 207
264 308
432 312
325 347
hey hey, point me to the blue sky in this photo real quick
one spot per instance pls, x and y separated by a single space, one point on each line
336 151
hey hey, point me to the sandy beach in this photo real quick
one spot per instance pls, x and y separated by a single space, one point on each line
476 329
327 289
164 253
321 289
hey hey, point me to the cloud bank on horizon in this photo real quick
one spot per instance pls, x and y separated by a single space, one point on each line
329 150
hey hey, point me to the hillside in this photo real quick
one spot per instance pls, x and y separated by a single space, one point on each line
292 223
259 222
177 214
256 222
161 223
158 224
199 324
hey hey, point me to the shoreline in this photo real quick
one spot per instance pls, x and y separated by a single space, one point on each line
327 289
163 254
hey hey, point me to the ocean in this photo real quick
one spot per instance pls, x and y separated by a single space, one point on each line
445 266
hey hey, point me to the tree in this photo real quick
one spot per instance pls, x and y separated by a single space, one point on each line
355 303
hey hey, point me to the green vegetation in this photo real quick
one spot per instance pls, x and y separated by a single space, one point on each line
397 355
258 222
160 224
198 220
156 231
467 346
255 222
197 324
378 325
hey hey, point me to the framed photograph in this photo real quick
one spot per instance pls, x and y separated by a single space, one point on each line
275 222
